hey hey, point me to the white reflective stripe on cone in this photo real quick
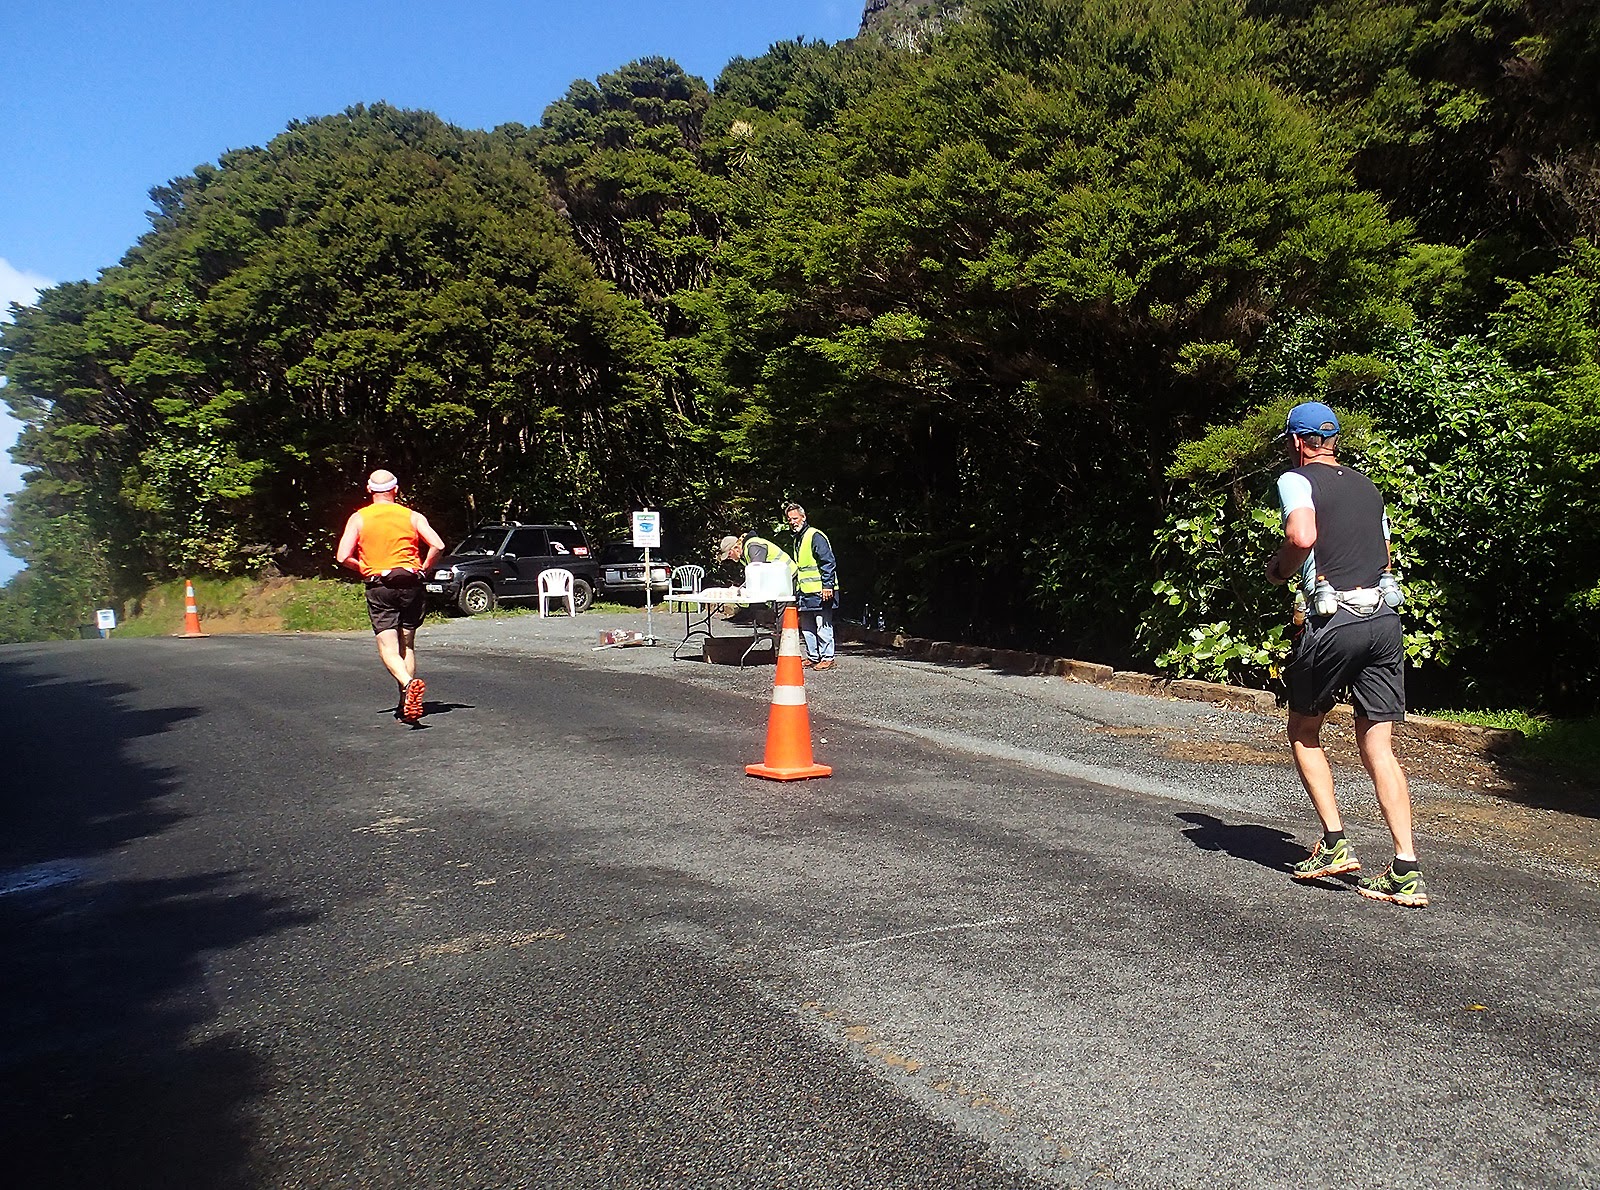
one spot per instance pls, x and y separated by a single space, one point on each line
788 696
790 643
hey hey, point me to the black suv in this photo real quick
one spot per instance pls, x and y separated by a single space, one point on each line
498 562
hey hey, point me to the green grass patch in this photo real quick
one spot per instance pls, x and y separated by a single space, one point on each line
530 607
160 610
509 611
282 605
1572 745
250 605
608 607
325 605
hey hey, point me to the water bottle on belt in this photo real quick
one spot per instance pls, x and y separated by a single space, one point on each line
1299 616
1389 588
1323 597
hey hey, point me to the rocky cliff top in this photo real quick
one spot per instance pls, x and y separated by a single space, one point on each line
908 22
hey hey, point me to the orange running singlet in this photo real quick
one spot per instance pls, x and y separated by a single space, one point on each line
386 539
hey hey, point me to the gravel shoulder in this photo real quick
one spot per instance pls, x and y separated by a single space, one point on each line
1221 759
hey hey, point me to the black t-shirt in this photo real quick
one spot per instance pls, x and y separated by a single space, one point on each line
1351 549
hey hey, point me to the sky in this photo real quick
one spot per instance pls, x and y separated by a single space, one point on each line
100 100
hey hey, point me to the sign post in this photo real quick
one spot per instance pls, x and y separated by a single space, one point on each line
647 533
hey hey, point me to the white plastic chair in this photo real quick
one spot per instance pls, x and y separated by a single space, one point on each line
556 584
685 580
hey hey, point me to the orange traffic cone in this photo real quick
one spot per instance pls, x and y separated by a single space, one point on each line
788 755
191 614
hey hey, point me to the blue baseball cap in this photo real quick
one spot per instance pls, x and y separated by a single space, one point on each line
1312 417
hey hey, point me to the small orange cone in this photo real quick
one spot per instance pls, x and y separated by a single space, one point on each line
788 755
191 614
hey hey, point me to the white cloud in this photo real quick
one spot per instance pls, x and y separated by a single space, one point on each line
20 286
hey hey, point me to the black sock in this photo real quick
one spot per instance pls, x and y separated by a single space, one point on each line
1403 867
1331 839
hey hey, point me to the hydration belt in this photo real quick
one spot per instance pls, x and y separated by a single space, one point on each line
1362 601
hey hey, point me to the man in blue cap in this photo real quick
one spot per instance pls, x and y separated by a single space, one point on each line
1336 540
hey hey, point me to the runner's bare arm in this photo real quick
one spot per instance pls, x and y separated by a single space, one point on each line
428 534
346 555
1299 535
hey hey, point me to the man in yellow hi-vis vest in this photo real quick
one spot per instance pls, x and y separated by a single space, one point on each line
751 548
816 588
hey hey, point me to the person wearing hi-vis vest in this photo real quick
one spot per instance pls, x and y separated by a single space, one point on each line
382 542
751 548
816 587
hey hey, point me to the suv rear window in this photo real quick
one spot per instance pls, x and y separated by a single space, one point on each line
566 540
527 543
618 552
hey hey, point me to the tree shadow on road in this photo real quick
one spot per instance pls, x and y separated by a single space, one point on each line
110 1071
1262 845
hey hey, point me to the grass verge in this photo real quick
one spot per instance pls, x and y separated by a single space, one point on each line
223 604
227 605
1570 745
325 605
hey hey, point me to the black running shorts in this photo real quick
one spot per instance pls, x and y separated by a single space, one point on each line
396 602
1363 655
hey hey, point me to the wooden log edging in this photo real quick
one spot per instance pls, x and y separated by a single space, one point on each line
1493 741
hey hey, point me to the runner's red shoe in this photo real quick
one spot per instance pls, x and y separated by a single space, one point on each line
411 705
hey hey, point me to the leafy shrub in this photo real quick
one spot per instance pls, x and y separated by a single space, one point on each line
1479 532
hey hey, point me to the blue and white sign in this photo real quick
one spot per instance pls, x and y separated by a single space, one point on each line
647 530
105 618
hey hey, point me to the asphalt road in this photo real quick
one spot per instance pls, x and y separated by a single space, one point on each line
258 934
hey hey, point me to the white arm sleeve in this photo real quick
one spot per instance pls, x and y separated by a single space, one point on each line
1294 491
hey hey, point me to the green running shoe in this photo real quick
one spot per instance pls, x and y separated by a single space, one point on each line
1327 861
1405 890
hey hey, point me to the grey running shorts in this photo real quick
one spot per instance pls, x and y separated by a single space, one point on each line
396 602
1363 655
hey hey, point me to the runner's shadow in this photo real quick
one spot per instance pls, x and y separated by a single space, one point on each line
428 708
1262 845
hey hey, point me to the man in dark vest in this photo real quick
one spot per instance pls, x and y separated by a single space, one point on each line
1336 540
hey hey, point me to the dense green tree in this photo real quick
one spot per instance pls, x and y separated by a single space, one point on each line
1011 274
68 578
623 157
374 288
1484 529
1014 304
1479 121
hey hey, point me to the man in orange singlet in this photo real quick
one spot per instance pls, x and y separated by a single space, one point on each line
381 542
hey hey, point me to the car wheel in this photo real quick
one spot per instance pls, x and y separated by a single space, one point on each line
476 598
582 594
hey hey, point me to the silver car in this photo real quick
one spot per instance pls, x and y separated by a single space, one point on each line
622 569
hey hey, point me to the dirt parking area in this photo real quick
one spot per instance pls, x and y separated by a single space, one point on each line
1458 792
